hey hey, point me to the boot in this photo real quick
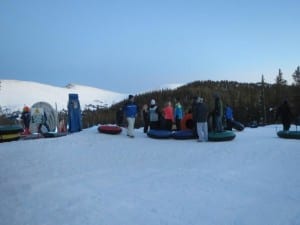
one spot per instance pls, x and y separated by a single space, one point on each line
27 131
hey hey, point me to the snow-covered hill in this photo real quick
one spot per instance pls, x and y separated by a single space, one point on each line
15 94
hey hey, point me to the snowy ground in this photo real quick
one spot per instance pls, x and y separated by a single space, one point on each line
89 178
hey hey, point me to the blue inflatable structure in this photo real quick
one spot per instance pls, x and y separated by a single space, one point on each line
74 114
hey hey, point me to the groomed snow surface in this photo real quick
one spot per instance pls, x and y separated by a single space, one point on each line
88 178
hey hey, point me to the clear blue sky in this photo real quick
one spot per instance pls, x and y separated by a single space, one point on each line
132 46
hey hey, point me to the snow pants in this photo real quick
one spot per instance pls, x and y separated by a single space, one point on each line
130 128
202 131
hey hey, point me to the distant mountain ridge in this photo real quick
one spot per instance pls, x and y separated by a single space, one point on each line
14 94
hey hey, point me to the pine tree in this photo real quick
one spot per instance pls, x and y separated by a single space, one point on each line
279 79
296 76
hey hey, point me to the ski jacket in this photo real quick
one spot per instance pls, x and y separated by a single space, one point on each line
130 109
229 113
218 107
168 113
26 116
153 113
200 112
284 112
178 114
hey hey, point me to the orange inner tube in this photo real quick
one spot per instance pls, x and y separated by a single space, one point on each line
187 122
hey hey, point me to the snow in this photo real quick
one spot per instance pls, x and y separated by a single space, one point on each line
15 94
99 179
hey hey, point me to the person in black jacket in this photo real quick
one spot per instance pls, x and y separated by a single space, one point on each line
200 114
145 116
284 112
120 117
218 114
26 116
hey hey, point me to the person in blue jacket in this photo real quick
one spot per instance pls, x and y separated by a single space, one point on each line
131 110
229 117
178 113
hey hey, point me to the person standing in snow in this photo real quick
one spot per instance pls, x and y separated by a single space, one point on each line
26 116
200 114
119 117
154 116
131 110
168 116
284 112
178 113
145 116
229 117
218 114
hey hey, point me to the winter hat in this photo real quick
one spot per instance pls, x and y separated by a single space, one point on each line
130 97
26 109
152 102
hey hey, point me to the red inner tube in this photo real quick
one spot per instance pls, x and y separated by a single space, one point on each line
187 122
109 129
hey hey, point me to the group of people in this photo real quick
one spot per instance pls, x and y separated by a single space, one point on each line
201 115
153 116
169 117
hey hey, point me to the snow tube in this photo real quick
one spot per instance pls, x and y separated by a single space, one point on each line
43 135
187 122
109 129
253 124
31 136
10 132
237 125
221 136
289 134
184 135
9 137
54 134
159 134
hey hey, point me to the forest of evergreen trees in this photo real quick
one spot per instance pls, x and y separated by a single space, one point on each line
250 101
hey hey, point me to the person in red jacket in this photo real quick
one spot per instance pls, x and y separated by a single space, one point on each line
168 114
